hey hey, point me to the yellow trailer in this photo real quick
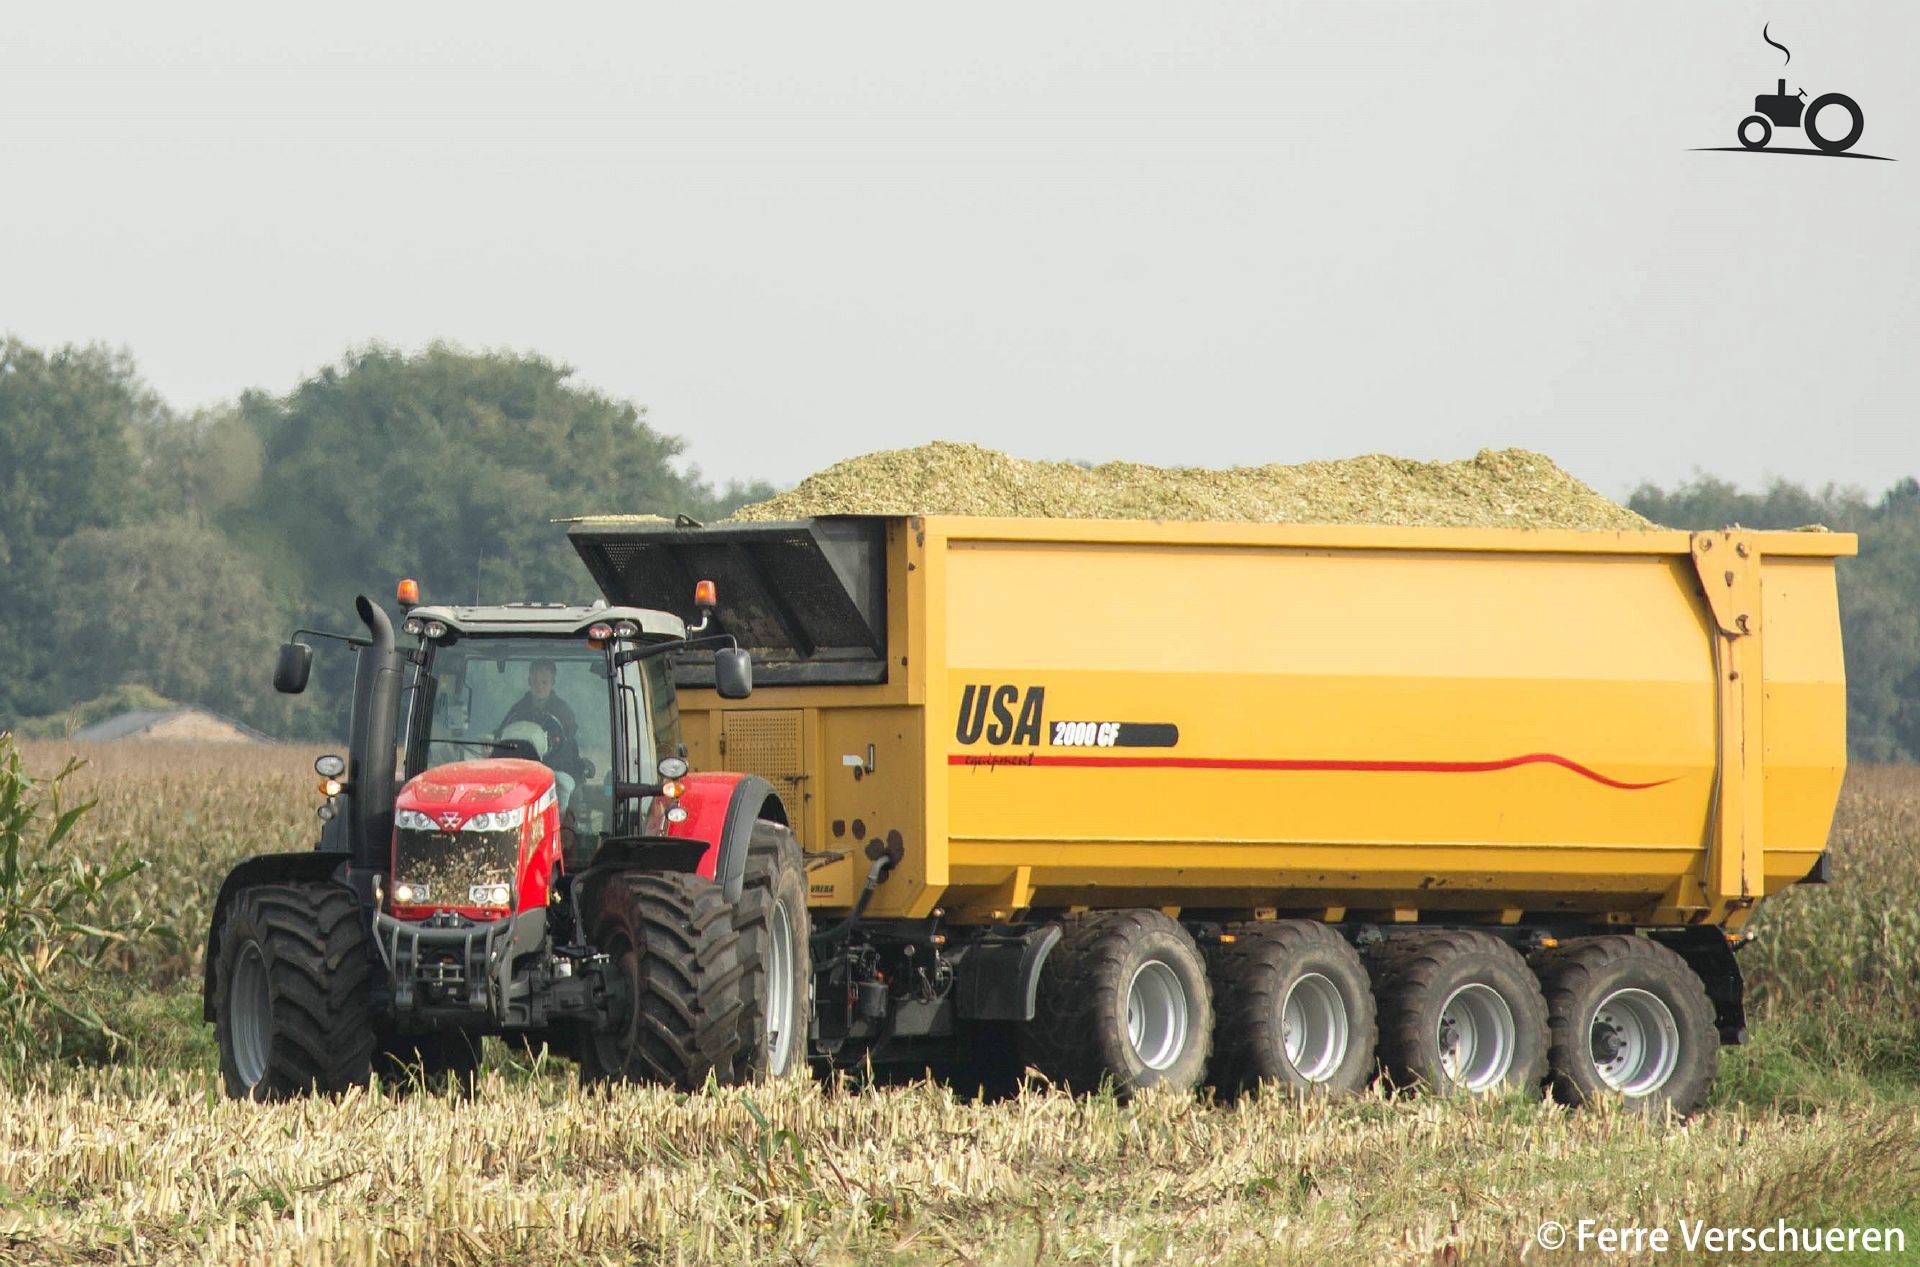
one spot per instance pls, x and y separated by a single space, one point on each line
1003 732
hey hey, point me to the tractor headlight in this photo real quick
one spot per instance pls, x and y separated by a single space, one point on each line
490 895
498 820
412 820
404 893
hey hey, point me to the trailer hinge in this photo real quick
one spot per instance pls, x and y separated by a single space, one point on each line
1729 566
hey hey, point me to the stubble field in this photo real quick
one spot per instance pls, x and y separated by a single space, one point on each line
131 1154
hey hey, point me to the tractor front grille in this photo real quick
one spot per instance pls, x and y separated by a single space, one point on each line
450 864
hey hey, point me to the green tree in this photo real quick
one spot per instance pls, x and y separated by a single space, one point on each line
69 460
450 467
172 606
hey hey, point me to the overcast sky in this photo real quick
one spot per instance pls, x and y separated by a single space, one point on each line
1177 233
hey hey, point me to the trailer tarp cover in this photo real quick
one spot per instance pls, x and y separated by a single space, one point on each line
808 598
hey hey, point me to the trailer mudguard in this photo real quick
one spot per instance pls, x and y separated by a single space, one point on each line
266 868
722 807
999 980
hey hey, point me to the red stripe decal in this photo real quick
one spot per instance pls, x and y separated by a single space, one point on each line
1305 764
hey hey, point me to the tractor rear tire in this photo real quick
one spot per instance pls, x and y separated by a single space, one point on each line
675 979
1294 1008
293 1012
1124 1001
777 979
1460 1013
1630 1019
444 1060
1856 123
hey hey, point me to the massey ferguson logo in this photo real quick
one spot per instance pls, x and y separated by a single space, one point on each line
450 819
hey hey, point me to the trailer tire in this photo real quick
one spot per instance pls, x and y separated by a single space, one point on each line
1293 1007
777 978
1460 1012
443 1060
293 1010
1638 1003
1123 999
675 977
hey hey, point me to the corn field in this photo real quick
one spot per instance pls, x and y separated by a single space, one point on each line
132 1155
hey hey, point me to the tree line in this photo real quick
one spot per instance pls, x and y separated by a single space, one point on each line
150 552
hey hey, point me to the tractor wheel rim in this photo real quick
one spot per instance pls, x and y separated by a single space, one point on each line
1635 1042
780 989
1156 1015
250 1015
1476 1037
1313 1027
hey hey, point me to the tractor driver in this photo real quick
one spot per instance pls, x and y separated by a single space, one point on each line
552 714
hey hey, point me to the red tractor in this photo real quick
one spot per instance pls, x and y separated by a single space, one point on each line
548 868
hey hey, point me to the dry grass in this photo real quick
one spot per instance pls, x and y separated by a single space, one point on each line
145 1162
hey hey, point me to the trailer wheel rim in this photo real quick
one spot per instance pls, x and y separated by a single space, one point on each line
1476 1037
250 1015
1156 1014
780 991
1313 1027
1635 1042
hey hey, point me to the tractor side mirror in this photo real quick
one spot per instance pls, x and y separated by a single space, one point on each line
295 665
732 673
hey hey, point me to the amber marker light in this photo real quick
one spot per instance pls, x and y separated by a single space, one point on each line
408 592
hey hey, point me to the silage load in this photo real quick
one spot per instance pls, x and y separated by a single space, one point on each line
1505 488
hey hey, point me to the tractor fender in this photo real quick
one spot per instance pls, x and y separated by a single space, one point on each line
635 853
722 807
265 868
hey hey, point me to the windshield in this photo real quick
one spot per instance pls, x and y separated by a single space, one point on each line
546 698
550 698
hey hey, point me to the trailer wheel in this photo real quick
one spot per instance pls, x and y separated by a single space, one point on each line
674 981
1293 1007
777 982
1123 999
1459 1012
1629 1018
292 1008
444 1060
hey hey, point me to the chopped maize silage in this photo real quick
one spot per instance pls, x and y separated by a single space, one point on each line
1505 488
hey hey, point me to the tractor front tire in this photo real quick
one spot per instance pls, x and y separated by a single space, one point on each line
675 980
777 979
1755 141
293 1012
1124 1001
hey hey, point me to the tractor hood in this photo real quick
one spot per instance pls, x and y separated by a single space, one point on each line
476 837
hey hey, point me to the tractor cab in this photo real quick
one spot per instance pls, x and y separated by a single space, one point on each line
552 718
